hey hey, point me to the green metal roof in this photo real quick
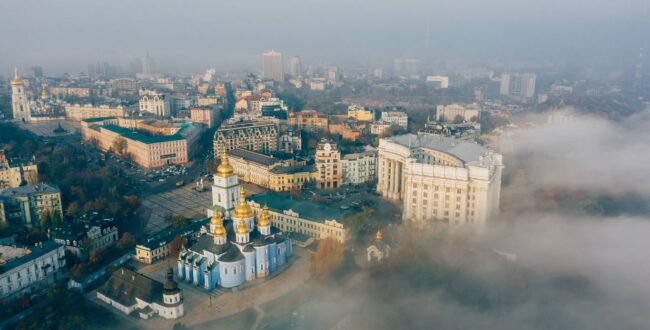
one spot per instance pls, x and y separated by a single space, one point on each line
137 136
305 208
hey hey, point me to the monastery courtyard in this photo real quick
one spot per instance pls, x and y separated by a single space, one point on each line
203 306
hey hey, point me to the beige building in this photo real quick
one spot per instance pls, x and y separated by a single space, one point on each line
79 112
204 115
145 149
315 220
440 178
448 113
251 135
29 205
13 173
308 119
328 167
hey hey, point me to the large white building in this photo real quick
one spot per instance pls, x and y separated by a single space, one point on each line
440 178
272 66
27 270
448 113
19 104
359 168
518 85
155 102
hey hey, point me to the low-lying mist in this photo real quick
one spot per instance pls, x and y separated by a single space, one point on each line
558 257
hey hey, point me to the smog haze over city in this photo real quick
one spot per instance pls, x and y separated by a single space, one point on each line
324 164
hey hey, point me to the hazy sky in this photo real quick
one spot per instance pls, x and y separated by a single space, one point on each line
194 34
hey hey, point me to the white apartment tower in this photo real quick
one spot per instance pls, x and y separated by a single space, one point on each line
518 85
19 103
272 66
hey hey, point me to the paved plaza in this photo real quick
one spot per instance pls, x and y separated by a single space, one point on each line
46 128
184 201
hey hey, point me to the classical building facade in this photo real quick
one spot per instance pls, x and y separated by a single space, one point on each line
251 135
439 178
328 165
28 270
129 291
290 178
360 113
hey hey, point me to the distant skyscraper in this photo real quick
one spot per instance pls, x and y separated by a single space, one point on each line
408 68
518 85
148 65
37 71
295 68
272 67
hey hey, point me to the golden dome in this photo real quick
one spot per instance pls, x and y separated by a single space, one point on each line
16 81
242 210
263 220
224 169
378 236
242 228
219 229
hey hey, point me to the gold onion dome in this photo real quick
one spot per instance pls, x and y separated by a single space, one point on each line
264 217
242 210
225 169
378 236
242 228
219 229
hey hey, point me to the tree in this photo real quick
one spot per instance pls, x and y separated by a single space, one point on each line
126 242
327 259
176 245
458 119
179 221
119 145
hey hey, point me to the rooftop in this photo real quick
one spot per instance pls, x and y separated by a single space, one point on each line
307 209
29 190
137 136
35 253
292 169
252 156
463 150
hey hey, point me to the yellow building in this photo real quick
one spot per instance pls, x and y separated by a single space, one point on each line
256 167
290 178
360 113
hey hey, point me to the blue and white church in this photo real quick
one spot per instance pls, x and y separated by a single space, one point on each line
238 246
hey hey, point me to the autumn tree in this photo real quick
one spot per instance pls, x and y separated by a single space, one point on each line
327 259
126 242
176 245
119 145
